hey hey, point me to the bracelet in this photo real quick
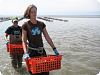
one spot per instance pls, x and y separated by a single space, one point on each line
54 48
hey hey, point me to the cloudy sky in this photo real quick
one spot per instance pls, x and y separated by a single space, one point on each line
51 7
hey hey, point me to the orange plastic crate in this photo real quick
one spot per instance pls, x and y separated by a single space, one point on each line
15 48
44 64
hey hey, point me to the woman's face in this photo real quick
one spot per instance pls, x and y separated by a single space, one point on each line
33 13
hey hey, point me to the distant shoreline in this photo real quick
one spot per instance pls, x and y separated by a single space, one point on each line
74 16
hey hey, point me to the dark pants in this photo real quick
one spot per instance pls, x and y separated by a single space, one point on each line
16 60
34 53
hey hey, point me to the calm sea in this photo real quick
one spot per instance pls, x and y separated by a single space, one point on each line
78 40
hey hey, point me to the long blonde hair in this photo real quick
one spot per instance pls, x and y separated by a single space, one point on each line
27 11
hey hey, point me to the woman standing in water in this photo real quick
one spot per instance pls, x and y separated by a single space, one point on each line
32 31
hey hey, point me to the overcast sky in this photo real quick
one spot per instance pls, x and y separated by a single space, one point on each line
51 7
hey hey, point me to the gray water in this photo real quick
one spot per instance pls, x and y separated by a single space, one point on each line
78 40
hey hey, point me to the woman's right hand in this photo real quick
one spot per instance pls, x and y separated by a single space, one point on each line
25 56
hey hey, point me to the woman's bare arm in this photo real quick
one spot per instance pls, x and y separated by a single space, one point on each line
24 40
48 39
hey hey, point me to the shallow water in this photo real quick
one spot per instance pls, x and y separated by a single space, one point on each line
78 40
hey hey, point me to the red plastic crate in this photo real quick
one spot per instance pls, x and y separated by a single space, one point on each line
44 64
15 48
